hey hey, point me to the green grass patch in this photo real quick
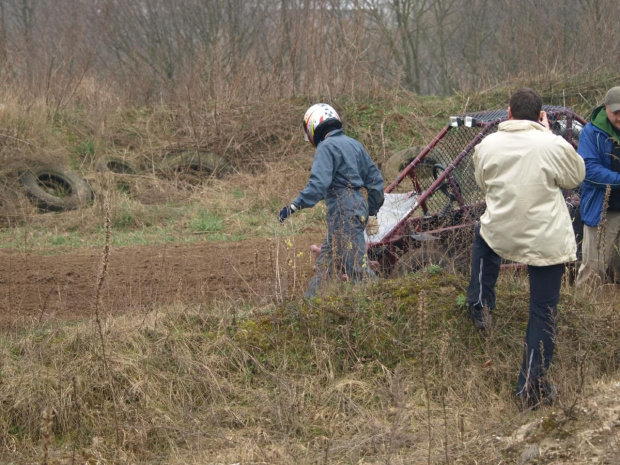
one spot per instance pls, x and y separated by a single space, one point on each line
136 224
207 222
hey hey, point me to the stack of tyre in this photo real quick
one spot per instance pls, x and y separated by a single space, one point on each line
56 188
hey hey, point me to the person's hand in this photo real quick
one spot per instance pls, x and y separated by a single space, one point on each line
286 212
372 226
543 119
573 200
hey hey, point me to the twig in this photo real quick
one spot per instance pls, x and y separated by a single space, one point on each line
242 278
102 275
422 309
47 298
279 296
443 390
46 434
76 404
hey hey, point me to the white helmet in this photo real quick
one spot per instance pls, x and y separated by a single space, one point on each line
318 121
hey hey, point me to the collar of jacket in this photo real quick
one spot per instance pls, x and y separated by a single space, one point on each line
513 125
600 120
335 132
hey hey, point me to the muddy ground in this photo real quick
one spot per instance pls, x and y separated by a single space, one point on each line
37 287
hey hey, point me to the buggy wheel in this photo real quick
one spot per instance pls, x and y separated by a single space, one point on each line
379 259
55 188
419 259
446 186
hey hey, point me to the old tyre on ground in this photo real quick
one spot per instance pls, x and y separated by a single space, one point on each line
398 162
116 165
55 188
195 162
419 259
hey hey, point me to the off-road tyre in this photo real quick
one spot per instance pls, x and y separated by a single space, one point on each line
116 165
55 188
445 187
197 163
398 162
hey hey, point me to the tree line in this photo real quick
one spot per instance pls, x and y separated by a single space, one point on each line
161 50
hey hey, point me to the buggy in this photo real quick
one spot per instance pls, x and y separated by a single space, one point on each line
432 206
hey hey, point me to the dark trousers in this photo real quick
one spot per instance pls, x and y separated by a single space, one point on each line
539 344
484 272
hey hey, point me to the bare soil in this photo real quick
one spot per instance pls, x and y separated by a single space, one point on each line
38 287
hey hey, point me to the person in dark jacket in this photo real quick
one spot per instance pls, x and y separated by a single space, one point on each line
599 146
341 170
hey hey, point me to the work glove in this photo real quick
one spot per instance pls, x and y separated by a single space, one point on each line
372 226
286 212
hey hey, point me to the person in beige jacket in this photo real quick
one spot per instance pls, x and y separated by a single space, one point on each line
521 169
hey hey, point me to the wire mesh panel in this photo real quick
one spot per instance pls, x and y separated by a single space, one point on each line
442 156
442 175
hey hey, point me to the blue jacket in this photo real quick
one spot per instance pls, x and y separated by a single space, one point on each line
595 147
341 163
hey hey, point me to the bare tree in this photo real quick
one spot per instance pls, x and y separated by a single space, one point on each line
248 49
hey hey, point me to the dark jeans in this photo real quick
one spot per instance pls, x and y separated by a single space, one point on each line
539 344
484 272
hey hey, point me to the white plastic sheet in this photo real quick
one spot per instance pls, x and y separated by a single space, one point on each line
395 208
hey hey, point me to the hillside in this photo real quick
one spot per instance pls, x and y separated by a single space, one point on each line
163 322
388 373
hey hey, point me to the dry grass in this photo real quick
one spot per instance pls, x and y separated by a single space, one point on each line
261 139
270 162
341 380
370 375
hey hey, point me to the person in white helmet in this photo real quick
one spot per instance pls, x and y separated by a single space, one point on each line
340 171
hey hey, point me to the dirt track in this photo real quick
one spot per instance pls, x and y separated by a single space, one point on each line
43 287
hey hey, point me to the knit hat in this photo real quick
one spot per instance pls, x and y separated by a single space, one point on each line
612 99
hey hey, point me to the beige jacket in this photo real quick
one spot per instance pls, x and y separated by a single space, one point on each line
521 169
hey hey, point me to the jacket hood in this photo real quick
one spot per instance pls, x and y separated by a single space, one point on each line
596 112
600 121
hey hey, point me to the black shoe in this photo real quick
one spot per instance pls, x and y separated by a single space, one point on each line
481 317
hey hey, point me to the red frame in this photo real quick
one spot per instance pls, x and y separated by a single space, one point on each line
406 233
